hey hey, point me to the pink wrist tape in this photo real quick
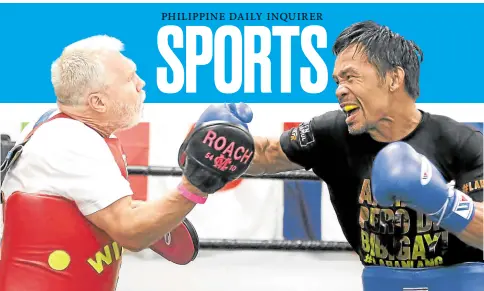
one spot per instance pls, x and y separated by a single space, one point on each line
190 196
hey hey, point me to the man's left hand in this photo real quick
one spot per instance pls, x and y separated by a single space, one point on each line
401 173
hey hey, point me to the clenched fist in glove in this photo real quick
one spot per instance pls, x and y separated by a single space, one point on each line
220 147
401 173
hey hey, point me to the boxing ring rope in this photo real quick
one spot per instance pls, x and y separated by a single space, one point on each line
238 244
174 171
285 245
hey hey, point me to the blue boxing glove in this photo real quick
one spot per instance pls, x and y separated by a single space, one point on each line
233 113
400 173
220 147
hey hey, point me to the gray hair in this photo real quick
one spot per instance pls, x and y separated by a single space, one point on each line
80 70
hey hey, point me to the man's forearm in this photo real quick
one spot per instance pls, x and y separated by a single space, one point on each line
473 234
259 163
150 221
269 158
256 169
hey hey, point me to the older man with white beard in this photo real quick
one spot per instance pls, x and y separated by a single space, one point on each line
67 203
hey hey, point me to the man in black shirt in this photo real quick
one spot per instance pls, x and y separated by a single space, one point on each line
430 215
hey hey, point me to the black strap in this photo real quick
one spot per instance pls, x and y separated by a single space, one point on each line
15 152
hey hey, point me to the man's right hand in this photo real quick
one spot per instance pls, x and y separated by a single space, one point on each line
220 147
189 186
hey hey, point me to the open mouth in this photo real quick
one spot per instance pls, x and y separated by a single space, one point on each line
351 110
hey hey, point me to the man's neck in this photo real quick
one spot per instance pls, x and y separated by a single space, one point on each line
398 124
103 128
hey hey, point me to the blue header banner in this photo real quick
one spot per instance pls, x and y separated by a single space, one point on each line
256 53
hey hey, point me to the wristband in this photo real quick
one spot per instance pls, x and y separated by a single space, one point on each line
190 196
456 213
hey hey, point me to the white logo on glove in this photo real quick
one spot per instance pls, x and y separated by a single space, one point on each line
463 205
425 172
167 238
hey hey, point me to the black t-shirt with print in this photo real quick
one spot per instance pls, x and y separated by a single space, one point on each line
396 236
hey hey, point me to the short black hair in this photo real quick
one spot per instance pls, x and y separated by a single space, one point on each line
384 49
